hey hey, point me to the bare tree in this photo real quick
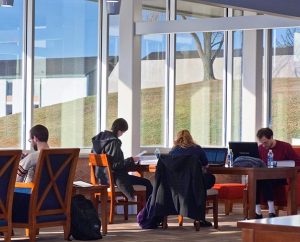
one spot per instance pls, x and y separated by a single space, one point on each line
208 50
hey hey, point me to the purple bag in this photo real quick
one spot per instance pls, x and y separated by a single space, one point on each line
146 217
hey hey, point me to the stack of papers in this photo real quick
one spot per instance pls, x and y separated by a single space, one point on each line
285 163
148 160
82 184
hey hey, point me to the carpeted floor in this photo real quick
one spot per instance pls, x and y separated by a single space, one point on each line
130 231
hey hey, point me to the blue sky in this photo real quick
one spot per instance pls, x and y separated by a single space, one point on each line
64 31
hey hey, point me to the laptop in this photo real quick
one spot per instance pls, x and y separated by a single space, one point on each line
215 156
244 149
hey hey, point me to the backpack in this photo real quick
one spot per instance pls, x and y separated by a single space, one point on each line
85 224
146 217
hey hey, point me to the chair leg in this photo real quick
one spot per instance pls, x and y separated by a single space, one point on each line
125 211
67 230
165 222
245 203
228 206
7 236
197 225
180 220
32 235
111 211
215 212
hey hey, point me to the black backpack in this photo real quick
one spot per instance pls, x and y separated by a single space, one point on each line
85 224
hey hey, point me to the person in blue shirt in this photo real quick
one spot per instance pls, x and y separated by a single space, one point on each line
185 145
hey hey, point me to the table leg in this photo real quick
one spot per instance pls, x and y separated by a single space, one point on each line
251 195
291 198
103 199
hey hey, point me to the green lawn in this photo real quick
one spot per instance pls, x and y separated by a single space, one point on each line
198 108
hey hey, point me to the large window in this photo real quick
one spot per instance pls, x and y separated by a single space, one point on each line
286 84
66 47
199 86
154 10
113 69
153 70
236 107
11 98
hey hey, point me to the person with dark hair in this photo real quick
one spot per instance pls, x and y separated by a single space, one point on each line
185 145
39 140
108 142
281 151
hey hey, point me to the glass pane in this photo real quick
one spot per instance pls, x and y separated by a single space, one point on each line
236 106
154 10
199 86
66 48
191 9
11 48
286 84
113 69
153 90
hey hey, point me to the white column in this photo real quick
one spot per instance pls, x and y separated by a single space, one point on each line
252 85
3 97
129 86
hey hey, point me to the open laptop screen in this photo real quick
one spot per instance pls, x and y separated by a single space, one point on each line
216 156
244 149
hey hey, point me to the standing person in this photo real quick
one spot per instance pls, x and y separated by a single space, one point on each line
39 140
281 151
108 142
185 145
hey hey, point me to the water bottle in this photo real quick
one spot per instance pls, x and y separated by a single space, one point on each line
230 158
270 159
157 153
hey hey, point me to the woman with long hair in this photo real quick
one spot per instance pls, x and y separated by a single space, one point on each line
185 145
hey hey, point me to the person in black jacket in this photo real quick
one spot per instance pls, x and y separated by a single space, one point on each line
185 145
108 142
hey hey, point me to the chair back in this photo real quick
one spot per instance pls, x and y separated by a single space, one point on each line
101 160
53 183
9 160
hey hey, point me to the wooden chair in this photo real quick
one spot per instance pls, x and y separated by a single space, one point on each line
9 160
46 201
212 196
101 160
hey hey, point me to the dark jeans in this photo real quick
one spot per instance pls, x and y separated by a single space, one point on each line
266 189
125 183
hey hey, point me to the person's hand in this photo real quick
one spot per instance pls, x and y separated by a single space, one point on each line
136 159
24 155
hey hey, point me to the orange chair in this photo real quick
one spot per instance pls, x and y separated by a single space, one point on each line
230 193
9 160
113 192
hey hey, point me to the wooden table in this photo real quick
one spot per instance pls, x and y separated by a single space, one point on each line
255 174
279 229
102 189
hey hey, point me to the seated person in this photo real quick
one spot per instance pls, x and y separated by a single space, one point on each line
108 142
281 151
39 140
185 145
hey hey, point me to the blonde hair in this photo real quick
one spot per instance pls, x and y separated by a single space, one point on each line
184 139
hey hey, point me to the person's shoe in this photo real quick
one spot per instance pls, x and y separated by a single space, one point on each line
272 215
205 223
258 216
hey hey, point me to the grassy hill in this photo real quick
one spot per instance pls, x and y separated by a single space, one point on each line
198 108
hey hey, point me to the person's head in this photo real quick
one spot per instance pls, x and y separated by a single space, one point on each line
38 134
184 139
119 127
265 137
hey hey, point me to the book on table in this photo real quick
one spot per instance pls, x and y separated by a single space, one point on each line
82 184
285 163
